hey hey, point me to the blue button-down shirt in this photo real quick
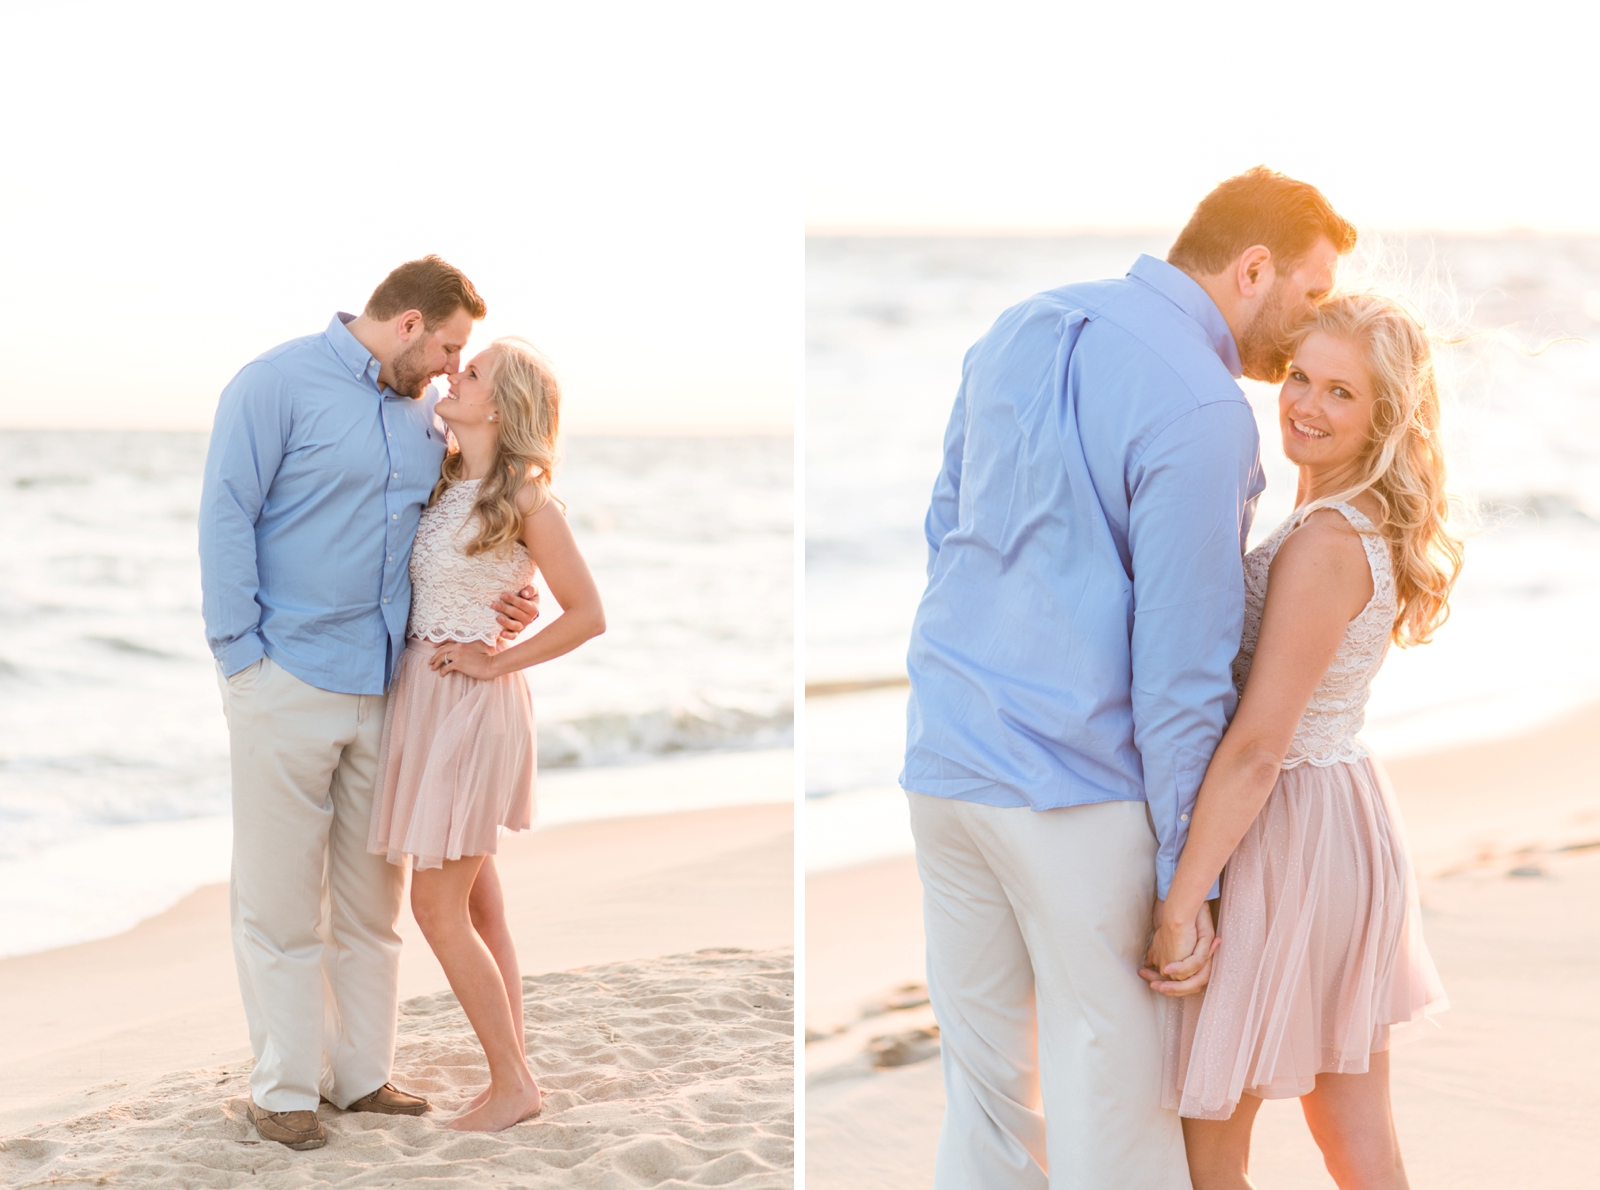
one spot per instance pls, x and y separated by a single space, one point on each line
314 483
1085 589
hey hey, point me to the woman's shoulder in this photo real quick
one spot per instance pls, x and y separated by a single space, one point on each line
1325 552
1369 506
1326 530
531 497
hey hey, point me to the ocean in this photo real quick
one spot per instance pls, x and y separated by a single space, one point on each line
114 780
887 323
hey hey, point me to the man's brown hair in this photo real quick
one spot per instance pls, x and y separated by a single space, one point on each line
1260 206
428 285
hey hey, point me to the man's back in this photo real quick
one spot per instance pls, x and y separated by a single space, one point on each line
1084 598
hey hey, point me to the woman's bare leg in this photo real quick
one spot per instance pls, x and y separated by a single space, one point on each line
488 909
1353 1124
439 899
1219 1150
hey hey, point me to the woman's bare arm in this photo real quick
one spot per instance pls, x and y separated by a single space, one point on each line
1319 582
551 545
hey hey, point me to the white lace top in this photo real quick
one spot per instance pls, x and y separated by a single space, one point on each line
451 592
1327 732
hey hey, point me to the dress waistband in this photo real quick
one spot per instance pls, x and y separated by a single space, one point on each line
417 642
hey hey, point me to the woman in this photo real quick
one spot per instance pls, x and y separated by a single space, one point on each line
1320 956
457 760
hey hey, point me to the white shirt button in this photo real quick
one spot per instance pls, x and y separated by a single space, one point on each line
396 475
394 516
1183 818
386 601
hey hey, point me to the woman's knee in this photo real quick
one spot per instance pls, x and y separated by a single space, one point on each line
1361 1163
430 904
1218 1150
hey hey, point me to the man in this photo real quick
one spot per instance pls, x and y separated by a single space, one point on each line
322 457
1070 677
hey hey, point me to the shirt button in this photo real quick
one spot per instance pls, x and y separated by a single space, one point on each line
394 516
386 601
1181 817
391 557
396 475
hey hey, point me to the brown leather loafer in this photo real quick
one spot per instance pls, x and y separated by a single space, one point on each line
390 1101
297 1130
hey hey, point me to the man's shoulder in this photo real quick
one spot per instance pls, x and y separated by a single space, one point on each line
1085 298
1130 322
1145 338
1128 337
287 355
284 367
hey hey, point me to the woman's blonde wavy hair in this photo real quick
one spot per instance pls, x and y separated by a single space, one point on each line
1403 465
528 401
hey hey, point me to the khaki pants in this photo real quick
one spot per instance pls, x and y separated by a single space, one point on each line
313 914
1037 924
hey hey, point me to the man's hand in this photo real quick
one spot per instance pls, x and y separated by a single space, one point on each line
516 612
1178 962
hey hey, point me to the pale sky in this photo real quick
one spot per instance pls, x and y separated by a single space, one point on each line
627 183
1014 114
187 185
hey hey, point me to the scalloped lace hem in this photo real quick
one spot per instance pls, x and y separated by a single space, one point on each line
1348 754
437 636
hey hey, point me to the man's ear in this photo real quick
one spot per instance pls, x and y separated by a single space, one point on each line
1255 273
408 325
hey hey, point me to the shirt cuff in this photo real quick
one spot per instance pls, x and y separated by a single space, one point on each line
240 654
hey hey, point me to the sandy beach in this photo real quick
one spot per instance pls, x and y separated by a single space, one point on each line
657 953
1506 837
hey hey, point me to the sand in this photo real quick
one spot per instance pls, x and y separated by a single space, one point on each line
131 1052
676 1069
1501 1094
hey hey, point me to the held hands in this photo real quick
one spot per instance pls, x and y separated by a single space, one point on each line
516 612
473 658
1178 962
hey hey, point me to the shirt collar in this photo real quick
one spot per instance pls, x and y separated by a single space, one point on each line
1184 292
360 361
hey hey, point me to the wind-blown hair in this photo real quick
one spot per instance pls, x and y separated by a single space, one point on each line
528 401
1403 465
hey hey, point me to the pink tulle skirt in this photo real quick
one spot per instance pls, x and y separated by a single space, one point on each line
1322 962
456 763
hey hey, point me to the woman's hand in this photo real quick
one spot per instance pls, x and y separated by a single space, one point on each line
1319 581
473 658
1178 962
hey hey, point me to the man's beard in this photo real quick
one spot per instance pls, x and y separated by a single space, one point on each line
411 374
1267 345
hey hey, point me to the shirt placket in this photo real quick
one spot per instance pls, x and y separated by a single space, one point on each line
392 501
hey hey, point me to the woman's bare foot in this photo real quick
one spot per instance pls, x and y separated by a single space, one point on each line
482 1096
499 1108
